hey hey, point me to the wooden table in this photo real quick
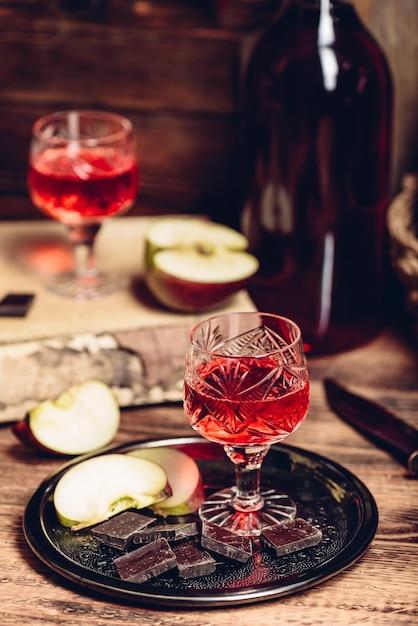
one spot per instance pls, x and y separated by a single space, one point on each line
380 588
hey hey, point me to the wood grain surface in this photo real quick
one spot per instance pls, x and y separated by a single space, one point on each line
173 68
379 589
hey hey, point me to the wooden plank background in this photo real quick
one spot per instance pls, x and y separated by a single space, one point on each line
173 67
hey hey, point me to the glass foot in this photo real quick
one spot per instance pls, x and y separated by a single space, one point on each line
218 509
88 287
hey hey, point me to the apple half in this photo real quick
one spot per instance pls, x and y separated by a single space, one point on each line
83 418
100 487
195 265
187 491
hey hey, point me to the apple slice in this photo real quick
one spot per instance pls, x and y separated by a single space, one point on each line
83 418
195 265
100 487
183 475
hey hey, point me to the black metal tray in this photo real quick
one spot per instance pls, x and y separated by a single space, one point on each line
325 493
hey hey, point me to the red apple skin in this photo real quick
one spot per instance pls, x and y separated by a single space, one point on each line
24 433
187 296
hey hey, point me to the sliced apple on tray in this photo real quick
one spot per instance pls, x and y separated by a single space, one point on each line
187 491
164 479
100 487
194 265
83 418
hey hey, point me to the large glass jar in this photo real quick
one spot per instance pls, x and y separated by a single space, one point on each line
317 112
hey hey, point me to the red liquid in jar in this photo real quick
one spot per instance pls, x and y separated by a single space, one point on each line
240 416
318 172
86 189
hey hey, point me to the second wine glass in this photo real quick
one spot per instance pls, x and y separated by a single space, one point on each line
246 388
82 170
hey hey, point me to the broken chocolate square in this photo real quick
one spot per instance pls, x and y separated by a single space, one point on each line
192 561
118 531
171 532
146 562
291 536
229 544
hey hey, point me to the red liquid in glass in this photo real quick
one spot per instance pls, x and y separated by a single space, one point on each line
318 172
82 189
240 415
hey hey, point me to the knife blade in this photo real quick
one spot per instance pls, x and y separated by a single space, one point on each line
374 421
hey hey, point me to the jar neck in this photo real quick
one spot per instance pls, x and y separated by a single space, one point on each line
322 4
309 12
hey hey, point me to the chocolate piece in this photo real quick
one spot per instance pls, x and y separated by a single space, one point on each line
291 536
146 562
118 531
171 532
192 561
225 542
16 304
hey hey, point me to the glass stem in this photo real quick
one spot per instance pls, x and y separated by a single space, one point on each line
82 238
247 463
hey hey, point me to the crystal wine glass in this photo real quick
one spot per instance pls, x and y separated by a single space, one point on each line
246 387
82 170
